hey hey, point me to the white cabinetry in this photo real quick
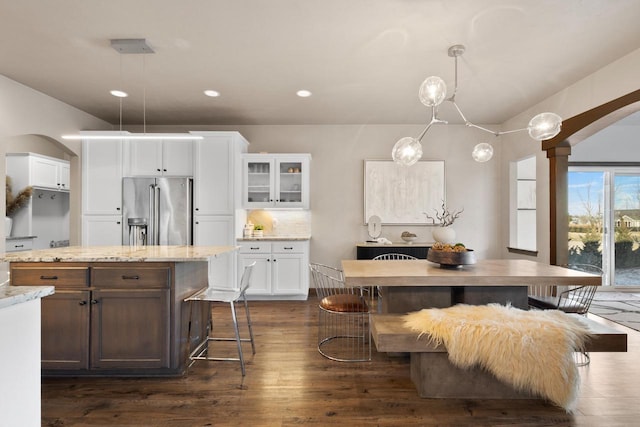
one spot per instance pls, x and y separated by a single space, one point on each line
281 270
276 181
38 171
102 192
217 183
160 157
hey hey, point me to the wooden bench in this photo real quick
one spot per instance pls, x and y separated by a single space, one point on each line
435 377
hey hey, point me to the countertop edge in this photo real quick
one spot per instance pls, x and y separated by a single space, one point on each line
274 238
13 295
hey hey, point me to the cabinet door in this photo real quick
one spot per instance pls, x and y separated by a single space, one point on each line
44 173
102 177
261 276
291 183
213 185
145 157
130 328
217 231
258 183
102 230
177 158
65 330
288 273
64 177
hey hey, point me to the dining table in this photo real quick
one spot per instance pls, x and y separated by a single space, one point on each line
410 285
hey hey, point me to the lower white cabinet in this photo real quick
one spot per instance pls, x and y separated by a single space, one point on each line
101 230
281 270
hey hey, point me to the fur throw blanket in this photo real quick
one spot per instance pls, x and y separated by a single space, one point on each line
531 350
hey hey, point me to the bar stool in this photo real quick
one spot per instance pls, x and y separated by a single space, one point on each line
230 296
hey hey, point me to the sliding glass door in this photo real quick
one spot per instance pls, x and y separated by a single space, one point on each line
604 222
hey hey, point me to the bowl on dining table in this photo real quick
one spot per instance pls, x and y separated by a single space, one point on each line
451 259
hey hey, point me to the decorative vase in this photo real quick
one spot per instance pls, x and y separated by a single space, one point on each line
444 234
8 223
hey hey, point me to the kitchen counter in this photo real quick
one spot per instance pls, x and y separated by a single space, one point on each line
119 254
12 295
275 238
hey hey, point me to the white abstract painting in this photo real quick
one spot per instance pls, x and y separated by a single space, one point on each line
400 194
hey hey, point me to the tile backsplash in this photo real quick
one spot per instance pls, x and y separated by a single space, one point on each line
282 222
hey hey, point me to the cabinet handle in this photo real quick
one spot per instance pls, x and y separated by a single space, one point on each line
130 277
117 209
158 170
271 200
18 246
164 170
94 301
197 209
82 303
274 260
48 277
254 249
117 222
290 248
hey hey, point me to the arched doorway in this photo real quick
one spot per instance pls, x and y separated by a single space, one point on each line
575 130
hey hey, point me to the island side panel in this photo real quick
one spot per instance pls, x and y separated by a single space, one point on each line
189 277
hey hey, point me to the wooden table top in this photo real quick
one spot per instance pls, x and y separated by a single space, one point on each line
491 272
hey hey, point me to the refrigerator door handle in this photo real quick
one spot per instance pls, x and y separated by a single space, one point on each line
156 214
151 234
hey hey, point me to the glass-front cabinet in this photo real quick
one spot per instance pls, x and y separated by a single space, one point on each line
276 181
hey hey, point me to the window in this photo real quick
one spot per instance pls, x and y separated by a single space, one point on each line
523 205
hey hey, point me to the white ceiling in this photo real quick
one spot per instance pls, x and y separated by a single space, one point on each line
362 59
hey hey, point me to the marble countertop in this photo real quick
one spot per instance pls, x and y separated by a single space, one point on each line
275 238
396 244
119 254
12 295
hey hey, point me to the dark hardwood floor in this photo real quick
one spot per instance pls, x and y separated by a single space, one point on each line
289 383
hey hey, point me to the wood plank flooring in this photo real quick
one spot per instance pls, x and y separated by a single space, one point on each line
289 383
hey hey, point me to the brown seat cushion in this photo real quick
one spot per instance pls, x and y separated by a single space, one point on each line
344 303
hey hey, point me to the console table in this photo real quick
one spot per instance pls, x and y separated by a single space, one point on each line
369 250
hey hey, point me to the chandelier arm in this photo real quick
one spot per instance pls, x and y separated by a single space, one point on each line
452 98
473 125
511 131
419 138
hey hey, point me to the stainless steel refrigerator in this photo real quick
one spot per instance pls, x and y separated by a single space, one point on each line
157 211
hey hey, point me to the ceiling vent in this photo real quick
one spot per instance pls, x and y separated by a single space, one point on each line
131 46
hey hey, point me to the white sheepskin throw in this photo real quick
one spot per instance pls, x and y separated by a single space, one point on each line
531 350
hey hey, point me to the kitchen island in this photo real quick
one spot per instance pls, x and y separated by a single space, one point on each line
117 310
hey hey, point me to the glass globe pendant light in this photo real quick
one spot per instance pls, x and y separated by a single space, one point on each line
406 151
544 126
482 152
433 92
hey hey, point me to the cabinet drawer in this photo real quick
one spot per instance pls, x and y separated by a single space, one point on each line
68 277
289 247
19 245
255 248
123 277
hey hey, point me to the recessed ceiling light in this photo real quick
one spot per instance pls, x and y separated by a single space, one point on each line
303 93
119 93
211 93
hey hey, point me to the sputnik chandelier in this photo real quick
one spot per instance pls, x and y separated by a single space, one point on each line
433 92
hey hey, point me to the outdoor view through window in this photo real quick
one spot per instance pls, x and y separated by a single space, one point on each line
603 199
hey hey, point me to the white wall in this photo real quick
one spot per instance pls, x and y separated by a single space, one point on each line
337 180
24 111
612 144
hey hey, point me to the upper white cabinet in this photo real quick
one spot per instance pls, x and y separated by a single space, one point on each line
102 177
36 170
216 175
276 181
160 157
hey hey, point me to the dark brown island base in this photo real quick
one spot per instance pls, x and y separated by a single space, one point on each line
117 311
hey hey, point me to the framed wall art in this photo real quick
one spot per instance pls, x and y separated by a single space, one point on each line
400 194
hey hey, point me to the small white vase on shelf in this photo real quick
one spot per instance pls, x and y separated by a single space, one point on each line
444 234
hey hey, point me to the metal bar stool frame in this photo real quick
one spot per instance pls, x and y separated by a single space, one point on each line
230 296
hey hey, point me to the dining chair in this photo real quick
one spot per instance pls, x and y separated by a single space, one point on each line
343 317
570 299
388 256
211 295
